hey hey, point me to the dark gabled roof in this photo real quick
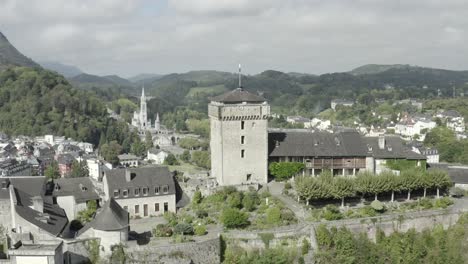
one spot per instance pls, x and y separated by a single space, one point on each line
394 149
53 218
315 144
123 157
143 177
65 158
238 95
111 217
81 188
457 173
451 113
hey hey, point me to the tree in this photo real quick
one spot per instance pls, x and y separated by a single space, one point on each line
440 180
202 159
79 169
285 170
411 180
52 171
138 148
148 140
171 160
393 183
197 197
234 218
342 188
185 156
87 215
111 151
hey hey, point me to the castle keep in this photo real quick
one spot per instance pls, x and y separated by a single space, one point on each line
239 138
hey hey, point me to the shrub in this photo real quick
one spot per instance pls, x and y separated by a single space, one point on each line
331 212
200 230
273 216
201 213
305 246
425 203
287 186
162 230
171 218
377 206
234 218
288 216
183 229
248 202
285 170
197 197
235 200
443 202
457 192
367 211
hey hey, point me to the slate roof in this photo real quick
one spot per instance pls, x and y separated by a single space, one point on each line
458 174
81 188
307 143
127 157
65 159
451 113
53 218
110 217
149 177
238 95
394 149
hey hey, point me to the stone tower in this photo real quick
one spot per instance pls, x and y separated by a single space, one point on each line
239 138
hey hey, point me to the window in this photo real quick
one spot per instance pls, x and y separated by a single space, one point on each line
157 189
249 177
145 210
242 153
242 125
156 207
166 207
116 193
165 189
137 209
145 191
242 140
125 193
137 191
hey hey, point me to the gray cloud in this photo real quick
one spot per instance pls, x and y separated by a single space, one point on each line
128 37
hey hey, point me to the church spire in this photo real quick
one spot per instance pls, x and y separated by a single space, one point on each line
143 92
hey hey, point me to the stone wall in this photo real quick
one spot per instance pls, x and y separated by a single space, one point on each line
204 252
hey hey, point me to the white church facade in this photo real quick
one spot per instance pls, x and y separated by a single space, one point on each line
140 118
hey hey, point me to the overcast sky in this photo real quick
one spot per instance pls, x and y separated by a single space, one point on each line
128 37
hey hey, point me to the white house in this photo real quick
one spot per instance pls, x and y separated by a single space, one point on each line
129 160
142 192
157 156
343 102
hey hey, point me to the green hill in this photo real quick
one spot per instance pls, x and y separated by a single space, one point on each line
10 56
376 68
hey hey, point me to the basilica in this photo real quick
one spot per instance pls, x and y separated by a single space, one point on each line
140 118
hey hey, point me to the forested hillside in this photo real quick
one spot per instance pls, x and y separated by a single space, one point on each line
10 56
37 102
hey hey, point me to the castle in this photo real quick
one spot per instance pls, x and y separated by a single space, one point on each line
140 119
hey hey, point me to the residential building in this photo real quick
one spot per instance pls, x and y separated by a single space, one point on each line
13 167
320 124
297 120
65 162
129 160
73 194
341 153
343 102
46 252
454 120
239 138
157 156
143 191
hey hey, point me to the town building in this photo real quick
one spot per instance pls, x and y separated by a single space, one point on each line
47 252
415 127
143 192
65 162
111 225
129 160
454 120
239 137
13 167
156 156
73 194
343 102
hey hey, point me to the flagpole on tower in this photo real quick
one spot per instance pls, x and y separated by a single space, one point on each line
240 76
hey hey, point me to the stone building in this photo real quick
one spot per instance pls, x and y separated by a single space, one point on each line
143 192
239 138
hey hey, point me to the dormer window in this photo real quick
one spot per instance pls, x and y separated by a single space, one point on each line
157 189
125 193
145 191
137 191
165 189
116 193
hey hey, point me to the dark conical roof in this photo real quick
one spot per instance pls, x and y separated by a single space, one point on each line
111 217
238 95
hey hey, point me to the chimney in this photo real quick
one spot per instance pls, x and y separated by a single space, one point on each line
128 175
38 203
382 142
